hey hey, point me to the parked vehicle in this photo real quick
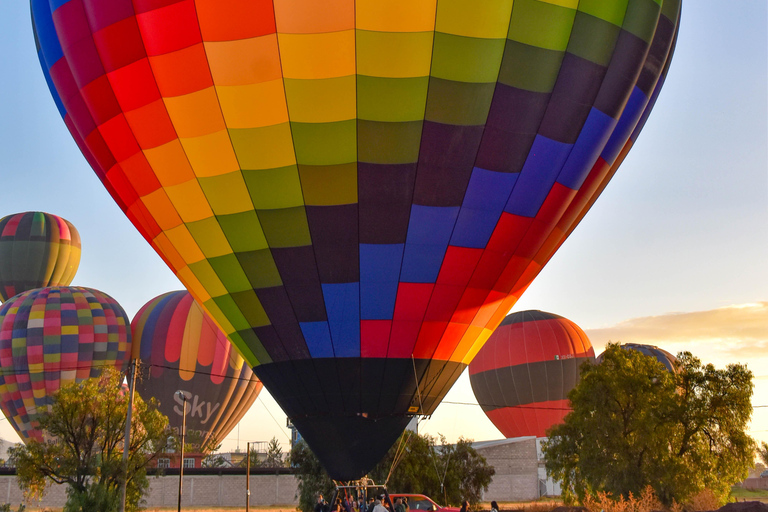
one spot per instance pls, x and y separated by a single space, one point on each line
422 502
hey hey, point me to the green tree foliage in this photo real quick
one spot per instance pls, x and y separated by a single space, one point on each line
635 424
415 464
275 457
312 477
195 441
762 453
272 458
413 461
468 474
85 428
213 460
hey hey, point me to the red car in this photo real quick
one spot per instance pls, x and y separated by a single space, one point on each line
422 502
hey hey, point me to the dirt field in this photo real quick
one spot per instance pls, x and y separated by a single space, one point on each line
503 506
185 509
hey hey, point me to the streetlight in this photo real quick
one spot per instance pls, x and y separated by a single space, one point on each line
183 397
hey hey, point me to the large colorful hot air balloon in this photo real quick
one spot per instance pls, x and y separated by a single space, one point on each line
357 191
50 337
523 374
186 351
668 360
37 249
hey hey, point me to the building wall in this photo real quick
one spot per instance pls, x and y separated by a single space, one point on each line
516 466
198 491
516 461
755 483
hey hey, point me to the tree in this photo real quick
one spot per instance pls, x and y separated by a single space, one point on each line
414 464
312 477
273 458
274 455
762 453
468 474
85 430
635 424
214 460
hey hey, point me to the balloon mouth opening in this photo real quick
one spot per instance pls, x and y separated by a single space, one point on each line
350 445
363 415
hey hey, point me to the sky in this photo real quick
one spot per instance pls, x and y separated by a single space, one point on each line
674 253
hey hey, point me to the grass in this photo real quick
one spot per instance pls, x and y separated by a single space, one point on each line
750 495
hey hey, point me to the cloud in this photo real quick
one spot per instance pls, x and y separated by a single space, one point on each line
738 331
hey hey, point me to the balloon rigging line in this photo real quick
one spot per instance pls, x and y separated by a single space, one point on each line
271 416
418 389
13 371
399 453
523 406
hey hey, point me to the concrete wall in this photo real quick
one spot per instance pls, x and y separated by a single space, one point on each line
516 465
199 491
755 483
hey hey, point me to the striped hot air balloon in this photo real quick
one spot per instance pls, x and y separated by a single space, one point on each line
522 376
185 351
50 337
37 249
357 191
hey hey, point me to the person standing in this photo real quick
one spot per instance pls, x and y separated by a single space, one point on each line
320 505
378 507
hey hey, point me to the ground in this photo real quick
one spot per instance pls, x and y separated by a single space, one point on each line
744 494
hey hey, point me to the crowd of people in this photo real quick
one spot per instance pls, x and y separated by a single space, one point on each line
347 503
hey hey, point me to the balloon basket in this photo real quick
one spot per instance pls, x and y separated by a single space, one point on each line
364 488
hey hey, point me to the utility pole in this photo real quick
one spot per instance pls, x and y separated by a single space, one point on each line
127 446
183 397
248 477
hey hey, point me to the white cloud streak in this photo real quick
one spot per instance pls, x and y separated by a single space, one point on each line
732 332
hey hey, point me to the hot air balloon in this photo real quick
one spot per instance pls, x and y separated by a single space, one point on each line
524 372
50 337
357 191
37 249
668 360
186 351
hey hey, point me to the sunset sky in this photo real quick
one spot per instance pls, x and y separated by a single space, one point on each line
674 253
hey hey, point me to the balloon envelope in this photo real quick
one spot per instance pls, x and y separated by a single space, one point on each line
356 191
523 374
50 337
668 360
37 249
186 351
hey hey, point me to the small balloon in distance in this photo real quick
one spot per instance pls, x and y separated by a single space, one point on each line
50 337
183 350
37 249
